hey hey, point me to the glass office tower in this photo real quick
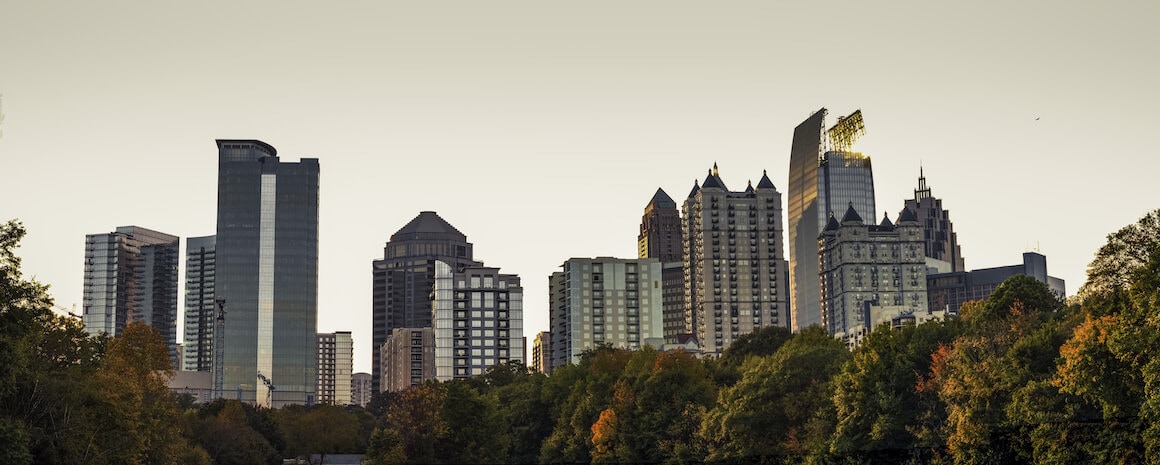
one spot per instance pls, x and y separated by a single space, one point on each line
820 182
267 273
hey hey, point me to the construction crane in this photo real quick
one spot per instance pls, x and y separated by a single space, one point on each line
73 312
846 131
269 389
219 349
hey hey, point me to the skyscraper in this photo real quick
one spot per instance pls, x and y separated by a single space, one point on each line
603 300
660 229
335 367
267 273
660 237
200 313
941 244
131 276
820 181
405 277
735 267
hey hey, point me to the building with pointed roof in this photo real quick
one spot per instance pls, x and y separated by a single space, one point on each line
735 272
870 273
404 278
941 244
660 237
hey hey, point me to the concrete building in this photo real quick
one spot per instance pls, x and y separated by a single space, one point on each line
870 273
360 389
267 274
335 367
940 243
200 311
604 300
478 320
197 384
821 181
735 267
542 352
408 358
131 276
949 291
405 277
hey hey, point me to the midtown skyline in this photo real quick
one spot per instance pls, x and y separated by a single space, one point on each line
1035 131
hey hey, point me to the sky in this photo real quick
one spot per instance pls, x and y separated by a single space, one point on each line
542 129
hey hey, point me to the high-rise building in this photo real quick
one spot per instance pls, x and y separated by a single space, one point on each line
542 352
200 312
408 358
131 276
821 181
604 300
267 273
660 237
949 291
660 229
405 277
335 367
360 389
941 244
869 270
735 267
478 320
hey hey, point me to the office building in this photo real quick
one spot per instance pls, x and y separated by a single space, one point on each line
200 311
949 291
735 267
940 243
267 274
613 301
335 367
408 358
542 352
131 276
660 230
821 181
360 389
478 320
404 278
870 273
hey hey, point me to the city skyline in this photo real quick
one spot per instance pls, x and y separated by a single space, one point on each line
1037 122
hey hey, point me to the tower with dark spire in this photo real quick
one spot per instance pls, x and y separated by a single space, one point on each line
660 238
735 272
941 244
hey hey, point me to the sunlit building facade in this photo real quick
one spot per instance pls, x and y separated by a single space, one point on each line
735 267
868 271
267 273
542 352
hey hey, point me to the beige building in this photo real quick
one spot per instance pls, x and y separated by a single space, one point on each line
408 358
613 301
542 352
871 274
735 269
335 367
360 389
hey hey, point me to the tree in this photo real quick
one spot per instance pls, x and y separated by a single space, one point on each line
1126 251
321 430
781 408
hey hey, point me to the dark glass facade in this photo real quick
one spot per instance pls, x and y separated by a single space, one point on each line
200 269
267 273
405 278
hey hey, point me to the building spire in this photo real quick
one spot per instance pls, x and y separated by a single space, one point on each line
923 192
714 172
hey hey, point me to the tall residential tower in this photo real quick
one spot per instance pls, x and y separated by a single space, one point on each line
200 312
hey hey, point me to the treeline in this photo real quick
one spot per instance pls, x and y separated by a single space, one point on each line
1021 377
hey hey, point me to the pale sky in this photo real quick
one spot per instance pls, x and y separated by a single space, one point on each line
541 129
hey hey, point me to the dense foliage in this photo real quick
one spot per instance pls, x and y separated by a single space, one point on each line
1021 377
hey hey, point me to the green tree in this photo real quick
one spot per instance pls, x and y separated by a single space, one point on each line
580 393
781 408
321 430
1126 251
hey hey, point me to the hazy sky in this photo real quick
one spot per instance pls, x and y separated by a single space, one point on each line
540 129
